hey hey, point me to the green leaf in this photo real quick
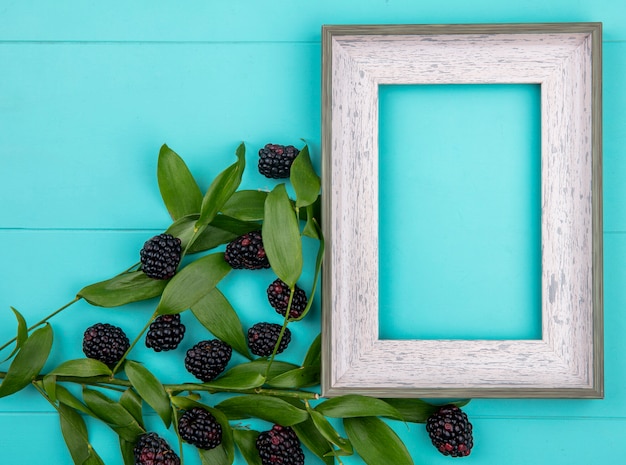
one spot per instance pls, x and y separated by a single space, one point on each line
313 440
82 368
353 405
150 390
237 380
246 205
65 397
28 362
281 236
132 402
222 187
76 438
113 414
246 442
50 386
311 228
304 179
216 314
179 190
123 289
128 452
22 334
376 442
297 378
329 433
313 356
316 277
266 408
417 410
217 456
260 367
192 283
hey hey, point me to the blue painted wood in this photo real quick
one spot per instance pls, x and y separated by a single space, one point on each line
89 92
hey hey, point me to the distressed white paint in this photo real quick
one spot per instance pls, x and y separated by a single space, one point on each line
564 59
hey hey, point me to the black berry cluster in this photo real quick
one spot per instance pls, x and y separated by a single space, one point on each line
160 256
207 359
262 338
278 295
450 431
275 160
165 333
199 427
151 449
280 446
247 252
105 342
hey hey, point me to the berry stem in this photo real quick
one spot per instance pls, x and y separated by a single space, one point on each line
45 320
134 343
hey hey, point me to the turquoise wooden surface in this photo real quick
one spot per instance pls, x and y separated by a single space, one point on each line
88 93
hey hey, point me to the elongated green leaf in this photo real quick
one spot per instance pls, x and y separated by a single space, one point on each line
313 440
353 405
239 380
123 289
246 442
22 334
281 236
246 205
150 390
193 283
76 438
216 314
297 378
82 368
222 187
266 408
376 442
28 362
416 410
310 228
50 386
330 433
113 414
260 366
179 190
316 278
217 456
304 179
66 397
128 452
132 402
313 356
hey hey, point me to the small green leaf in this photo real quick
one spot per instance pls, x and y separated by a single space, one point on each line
28 362
128 287
150 390
65 397
216 456
216 314
128 452
311 228
222 187
246 442
266 408
304 179
82 368
76 438
132 402
179 190
313 356
246 205
113 414
22 334
222 230
353 405
237 381
329 433
281 236
316 277
416 410
50 386
313 440
297 378
259 366
192 283
376 442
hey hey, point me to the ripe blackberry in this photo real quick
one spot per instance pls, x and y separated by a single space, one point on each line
207 359
262 338
278 296
165 333
105 342
280 446
200 428
160 256
151 449
275 160
450 431
247 252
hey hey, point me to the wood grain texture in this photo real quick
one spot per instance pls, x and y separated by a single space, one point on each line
564 59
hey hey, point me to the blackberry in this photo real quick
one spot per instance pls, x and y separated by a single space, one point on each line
151 449
200 428
207 359
280 446
247 252
105 342
262 338
450 431
275 160
278 296
165 333
160 256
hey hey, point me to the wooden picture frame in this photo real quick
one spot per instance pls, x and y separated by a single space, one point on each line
565 59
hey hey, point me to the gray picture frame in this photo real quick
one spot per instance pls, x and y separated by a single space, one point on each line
565 59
